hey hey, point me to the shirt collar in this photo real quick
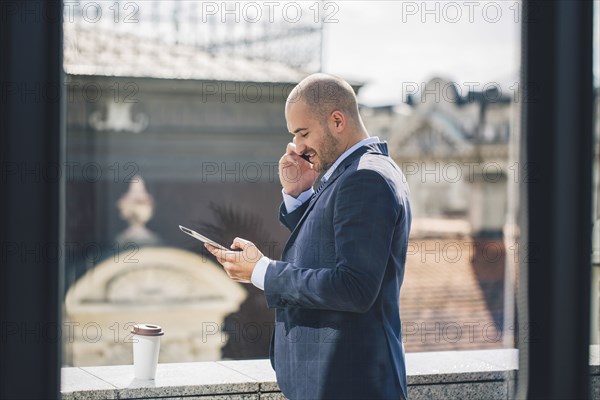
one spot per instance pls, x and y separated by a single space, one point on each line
345 154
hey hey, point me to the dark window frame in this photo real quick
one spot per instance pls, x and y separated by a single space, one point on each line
31 211
556 222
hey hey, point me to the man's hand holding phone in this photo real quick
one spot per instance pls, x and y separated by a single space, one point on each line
238 264
296 174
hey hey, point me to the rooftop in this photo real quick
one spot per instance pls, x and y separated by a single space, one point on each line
94 50
452 295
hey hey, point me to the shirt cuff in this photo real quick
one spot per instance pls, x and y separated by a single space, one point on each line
291 203
259 273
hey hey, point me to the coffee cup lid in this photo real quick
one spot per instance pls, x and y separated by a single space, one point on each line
147 330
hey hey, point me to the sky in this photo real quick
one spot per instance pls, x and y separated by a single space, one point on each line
393 45
389 45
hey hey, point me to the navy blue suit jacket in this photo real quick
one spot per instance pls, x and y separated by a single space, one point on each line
336 291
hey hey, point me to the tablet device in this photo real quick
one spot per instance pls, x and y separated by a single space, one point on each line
202 238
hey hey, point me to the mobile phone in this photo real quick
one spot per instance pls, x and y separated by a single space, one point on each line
304 156
202 238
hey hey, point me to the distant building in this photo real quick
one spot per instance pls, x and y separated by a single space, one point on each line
205 132
197 128
453 150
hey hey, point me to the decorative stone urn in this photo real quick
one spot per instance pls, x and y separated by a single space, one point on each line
188 295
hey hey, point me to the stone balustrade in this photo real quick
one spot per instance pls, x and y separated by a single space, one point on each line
480 374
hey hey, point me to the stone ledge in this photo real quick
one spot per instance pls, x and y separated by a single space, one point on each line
479 374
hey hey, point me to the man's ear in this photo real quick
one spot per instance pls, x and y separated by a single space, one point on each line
338 121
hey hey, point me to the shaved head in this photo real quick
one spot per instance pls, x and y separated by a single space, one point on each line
322 114
324 94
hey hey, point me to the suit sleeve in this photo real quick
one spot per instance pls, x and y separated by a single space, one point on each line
365 213
290 220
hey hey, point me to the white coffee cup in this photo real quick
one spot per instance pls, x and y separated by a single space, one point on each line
146 347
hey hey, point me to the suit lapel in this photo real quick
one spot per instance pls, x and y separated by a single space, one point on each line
374 148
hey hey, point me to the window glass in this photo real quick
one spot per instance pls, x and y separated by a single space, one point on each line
175 116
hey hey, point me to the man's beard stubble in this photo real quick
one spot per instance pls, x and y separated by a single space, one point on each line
329 151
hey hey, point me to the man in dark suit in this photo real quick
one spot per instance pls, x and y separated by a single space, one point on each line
336 289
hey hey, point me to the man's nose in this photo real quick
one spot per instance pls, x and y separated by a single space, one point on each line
300 148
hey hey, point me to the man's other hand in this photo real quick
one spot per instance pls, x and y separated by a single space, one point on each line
238 264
